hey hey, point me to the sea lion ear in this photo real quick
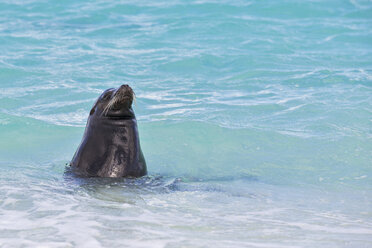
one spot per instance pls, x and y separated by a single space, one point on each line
92 110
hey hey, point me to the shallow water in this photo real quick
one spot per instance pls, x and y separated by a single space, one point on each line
254 118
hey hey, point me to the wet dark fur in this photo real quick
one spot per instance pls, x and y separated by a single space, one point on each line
110 146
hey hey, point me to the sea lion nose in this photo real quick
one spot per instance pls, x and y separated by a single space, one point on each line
124 88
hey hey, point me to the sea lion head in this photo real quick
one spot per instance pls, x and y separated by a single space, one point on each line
115 103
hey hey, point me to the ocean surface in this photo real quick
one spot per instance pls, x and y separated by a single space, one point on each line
255 119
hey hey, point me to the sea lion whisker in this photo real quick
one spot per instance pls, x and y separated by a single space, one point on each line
109 106
119 98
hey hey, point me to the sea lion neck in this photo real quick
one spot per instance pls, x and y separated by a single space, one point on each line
123 113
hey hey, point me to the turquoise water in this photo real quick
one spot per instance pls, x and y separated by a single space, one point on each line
255 119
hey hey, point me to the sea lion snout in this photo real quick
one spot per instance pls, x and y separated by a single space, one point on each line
125 89
125 86
124 95
116 102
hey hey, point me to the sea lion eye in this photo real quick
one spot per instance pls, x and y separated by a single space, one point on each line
106 95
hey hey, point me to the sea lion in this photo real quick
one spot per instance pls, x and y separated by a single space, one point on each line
110 146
